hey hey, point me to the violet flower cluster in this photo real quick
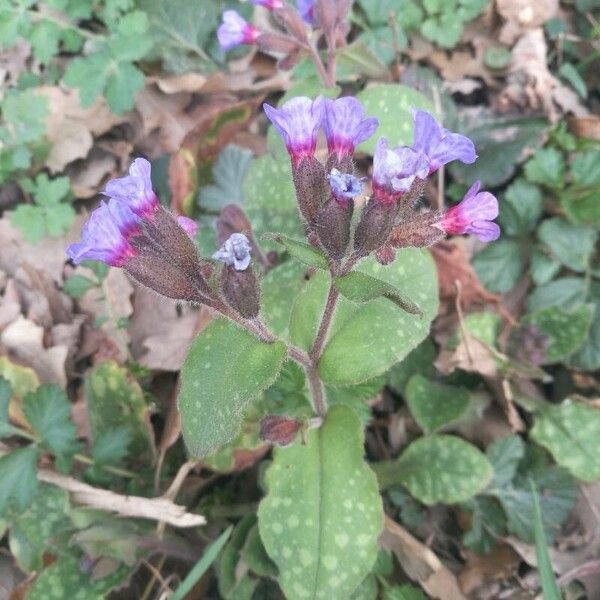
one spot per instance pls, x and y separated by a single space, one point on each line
390 219
133 231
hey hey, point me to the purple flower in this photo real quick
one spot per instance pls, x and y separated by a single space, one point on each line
438 144
345 125
105 237
344 186
269 4
298 122
235 30
188 225
235 252
474 214
394 171
306 8
135 190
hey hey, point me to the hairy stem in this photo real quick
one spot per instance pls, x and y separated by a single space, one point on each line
330 304
323 73
317 391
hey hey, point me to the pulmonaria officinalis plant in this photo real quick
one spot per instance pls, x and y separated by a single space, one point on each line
319 487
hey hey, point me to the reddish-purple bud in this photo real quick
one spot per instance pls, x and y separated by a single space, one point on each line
385 255
276 42
279 430
241 291
374 226
312 188
416 232
332 227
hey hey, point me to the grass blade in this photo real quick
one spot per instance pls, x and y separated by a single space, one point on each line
206 560
550 589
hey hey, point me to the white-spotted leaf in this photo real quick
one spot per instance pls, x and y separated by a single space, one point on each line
323 514
225 369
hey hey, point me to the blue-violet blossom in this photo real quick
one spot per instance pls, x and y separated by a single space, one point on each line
306 8
298 122
269 4
345 125
440 145
235 252
344 186
106 235
474 214
394 171
235 30
135 190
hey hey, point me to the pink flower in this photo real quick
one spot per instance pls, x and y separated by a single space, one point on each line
235 30
345 125
106 235
135 190
188 225
474 214
438 144
298 122
269 4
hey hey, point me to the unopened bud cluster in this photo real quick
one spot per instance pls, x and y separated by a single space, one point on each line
330 16
133 231
326 190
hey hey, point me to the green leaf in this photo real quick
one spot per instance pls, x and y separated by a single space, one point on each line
445 29
570 432
392 104
88 75
111 445
543 267
322 515
550 589
559 493
566 330
520 208
499 265
124 80
225 369
228 562
115 400
434 405
48 411
305 253
279 289
256 557
44 39
359 287
571 245
181 30
25 113
77 285
207 559
546 167
581 206
35 531
18 473
588 356
359 60
585 169
502 143
66 579
367 339
403 592
270 198
420 360
497 57
505 455
228 173
567 292
6 429
569 73
438 468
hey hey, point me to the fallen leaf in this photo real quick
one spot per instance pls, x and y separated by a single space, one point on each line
531 85
111 304
188 82
420 563
13 61
499 564
23 340
70 128
88 175
520 15
161 331
453 265
585 127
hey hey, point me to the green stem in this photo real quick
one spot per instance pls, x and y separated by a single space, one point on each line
86 460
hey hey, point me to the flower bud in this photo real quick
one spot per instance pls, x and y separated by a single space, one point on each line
235 30
312 189
293 23
332 227
385 255
276 42
417 232
279 430
241 291
373 229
